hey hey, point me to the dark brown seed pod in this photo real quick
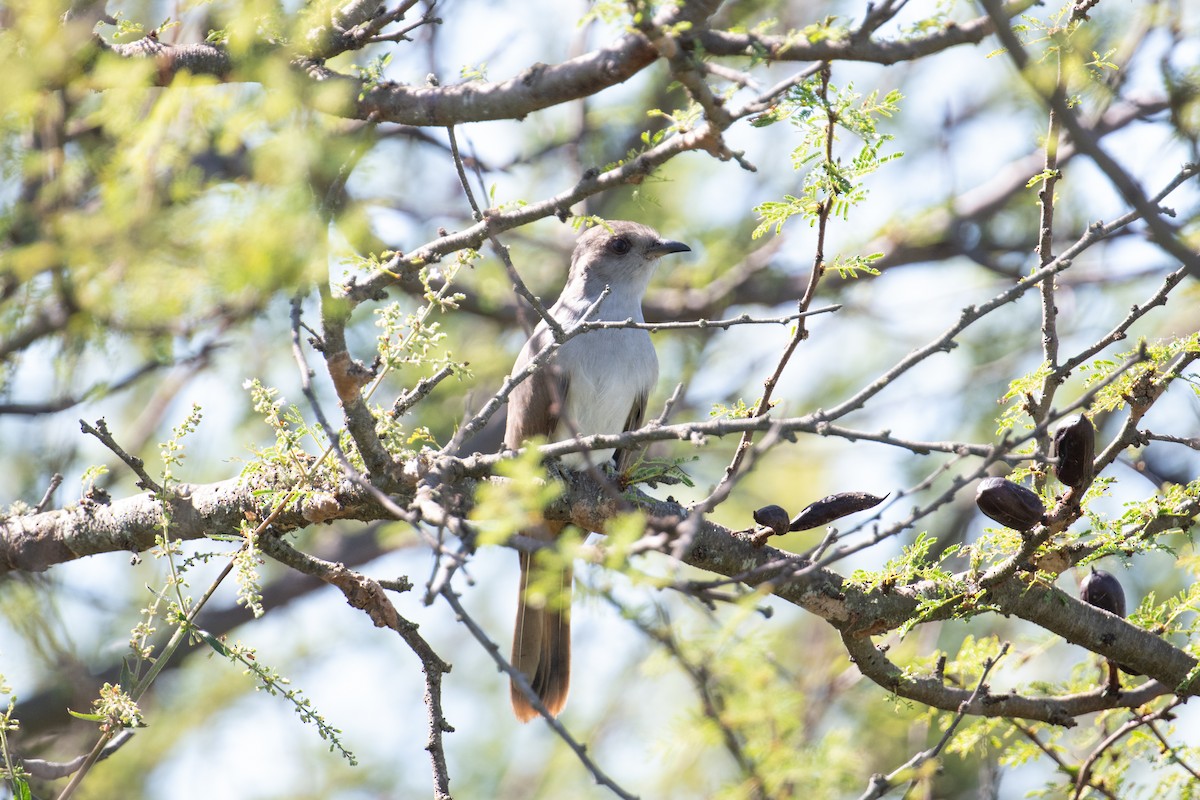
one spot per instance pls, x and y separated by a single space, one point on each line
1011 505
835 506
773 517
1075 447
1102 590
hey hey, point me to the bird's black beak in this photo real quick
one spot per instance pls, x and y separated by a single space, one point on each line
665 246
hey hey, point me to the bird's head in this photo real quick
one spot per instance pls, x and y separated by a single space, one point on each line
620 255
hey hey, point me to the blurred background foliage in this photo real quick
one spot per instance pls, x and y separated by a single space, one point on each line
151 238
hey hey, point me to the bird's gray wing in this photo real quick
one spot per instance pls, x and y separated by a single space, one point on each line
535 406
625 457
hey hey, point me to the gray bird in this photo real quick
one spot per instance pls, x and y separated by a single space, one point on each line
597 383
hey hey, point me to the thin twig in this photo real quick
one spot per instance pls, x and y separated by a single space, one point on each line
709 690
1121 329
880 784
669 405
1171 751
333 436
519 679
696 432
367 595
101 432
1085 769
108 387
54 770
1040 407
419 392
539 362
1059 761
55 481
818 269
518 284
1192 441
402 35
688 528
1161 232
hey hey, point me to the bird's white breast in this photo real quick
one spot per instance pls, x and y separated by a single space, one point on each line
607 371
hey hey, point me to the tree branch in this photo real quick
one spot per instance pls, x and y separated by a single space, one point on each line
368 596
36 542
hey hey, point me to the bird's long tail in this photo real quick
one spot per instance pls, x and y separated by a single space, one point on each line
542 645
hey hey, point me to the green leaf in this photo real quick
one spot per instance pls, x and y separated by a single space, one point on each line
86 717
212 641
1042 177
505 507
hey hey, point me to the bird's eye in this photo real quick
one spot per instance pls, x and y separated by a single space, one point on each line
620 245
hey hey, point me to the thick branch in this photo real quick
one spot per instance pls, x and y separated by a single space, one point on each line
1060 710
36 542
790 47
543 86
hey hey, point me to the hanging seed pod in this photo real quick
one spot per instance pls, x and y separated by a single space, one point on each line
773 517
1075 447
1011 505
835 506
1102 590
